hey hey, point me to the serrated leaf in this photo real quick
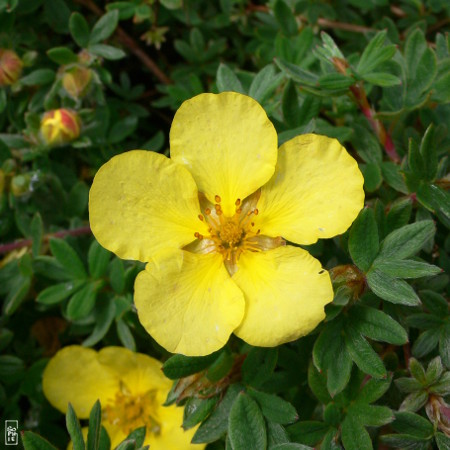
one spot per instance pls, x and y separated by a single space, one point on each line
227 80
74 429
246 428
68 258
180 366
104 27
274 408
391 289
407 240
363 242
79 29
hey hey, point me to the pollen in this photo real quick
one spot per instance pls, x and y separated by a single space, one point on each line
129 412
233 235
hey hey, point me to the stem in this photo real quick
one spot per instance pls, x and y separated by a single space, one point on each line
131 44
360 97
6 248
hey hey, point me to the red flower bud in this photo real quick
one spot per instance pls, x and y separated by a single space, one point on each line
10 67
60 126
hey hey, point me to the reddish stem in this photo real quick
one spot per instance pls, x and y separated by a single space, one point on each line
6 248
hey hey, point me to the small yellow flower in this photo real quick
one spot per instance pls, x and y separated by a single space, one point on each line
211 223
131 388
60 126
10 67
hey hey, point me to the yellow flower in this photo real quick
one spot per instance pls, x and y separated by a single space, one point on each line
131 388
60 126
210 222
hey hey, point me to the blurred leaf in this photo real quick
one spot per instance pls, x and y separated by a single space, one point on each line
107 51
74 429
68 258
98 260
93 437
125 335
38 77
259 365
62 55
82 302
79 29
179 366
32 441
196 410
104 27
227 80
56 293
285 18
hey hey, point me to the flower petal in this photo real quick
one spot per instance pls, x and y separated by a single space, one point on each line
142 205
227 143
189 305
285 292
316 191
75 375
140 373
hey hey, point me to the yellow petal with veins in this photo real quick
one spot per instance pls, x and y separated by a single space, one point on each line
227 143
285 292
189 308
75 375
316 191
143 205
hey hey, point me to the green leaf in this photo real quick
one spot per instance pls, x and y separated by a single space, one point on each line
377 325
442 387
95 420
414 401
58 292
259 366
264 83
434 302
392 289
246 427
375 53
412 424
444 346
274 408
309 432
335 81
10 366
297 73
373 390
354 435
227 80
62 55
117 275
276 434
291 446
196 410
318 384
406 241
68 258
37 231
408 384
363 242
371 415
98 260
216 425
285 18
105 312
382 79
436 200
399 214
107 51
180 366
428 153
137 437
125 335
79 29
442 441
372 176
104 27
363 354
82 303
38 77
220 367
122 129
74 429
426 342
406 268
32 441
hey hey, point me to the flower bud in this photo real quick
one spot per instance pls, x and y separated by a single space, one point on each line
20 185
10 67
60 126
76 81
438 411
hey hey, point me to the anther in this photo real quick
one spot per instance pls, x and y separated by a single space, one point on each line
217 199
198 235
201 217
253 224
255 211
217 208
237 202
207 211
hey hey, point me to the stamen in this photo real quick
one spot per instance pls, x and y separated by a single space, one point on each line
201 217
217 199
237 202
256 211
207 211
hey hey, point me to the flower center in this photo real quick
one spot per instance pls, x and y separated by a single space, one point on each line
129 412
231 236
